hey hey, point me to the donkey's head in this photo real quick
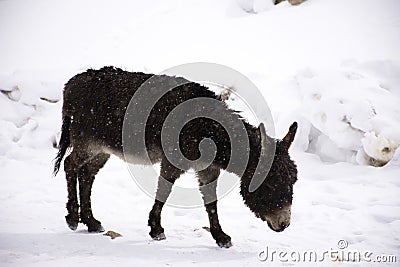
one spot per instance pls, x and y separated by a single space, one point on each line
272 200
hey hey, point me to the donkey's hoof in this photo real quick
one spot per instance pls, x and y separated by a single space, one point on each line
73 226
224 242
157 233
95 228
227 244
72 222
93 225
160 236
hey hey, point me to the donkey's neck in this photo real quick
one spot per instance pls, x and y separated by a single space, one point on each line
248 160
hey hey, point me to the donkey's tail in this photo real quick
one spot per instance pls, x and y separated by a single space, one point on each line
63 144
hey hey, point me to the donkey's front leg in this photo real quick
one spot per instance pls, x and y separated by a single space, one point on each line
208 187
168 175
223 240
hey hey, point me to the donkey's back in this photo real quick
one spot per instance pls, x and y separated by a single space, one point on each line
96 101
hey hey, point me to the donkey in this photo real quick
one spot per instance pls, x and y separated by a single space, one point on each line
95 102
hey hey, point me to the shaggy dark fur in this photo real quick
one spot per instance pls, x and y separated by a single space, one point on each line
93 112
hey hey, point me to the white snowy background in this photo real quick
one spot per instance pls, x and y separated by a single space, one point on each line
332 65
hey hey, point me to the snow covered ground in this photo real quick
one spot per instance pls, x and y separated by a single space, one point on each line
334 66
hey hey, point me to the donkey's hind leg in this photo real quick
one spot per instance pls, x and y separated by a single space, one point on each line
86 177
71 172
72 166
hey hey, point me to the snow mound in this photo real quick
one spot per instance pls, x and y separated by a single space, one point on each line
26 99
353 112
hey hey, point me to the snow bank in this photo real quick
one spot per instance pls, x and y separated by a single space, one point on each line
30 112
351 113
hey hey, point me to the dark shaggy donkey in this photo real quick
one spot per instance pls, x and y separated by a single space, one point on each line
95 98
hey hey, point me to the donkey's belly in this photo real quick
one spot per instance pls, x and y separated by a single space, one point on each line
136 157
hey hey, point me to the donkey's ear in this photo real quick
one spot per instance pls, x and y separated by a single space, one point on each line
263 132
289 137
265 139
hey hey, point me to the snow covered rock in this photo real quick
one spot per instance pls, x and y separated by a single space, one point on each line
378 148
